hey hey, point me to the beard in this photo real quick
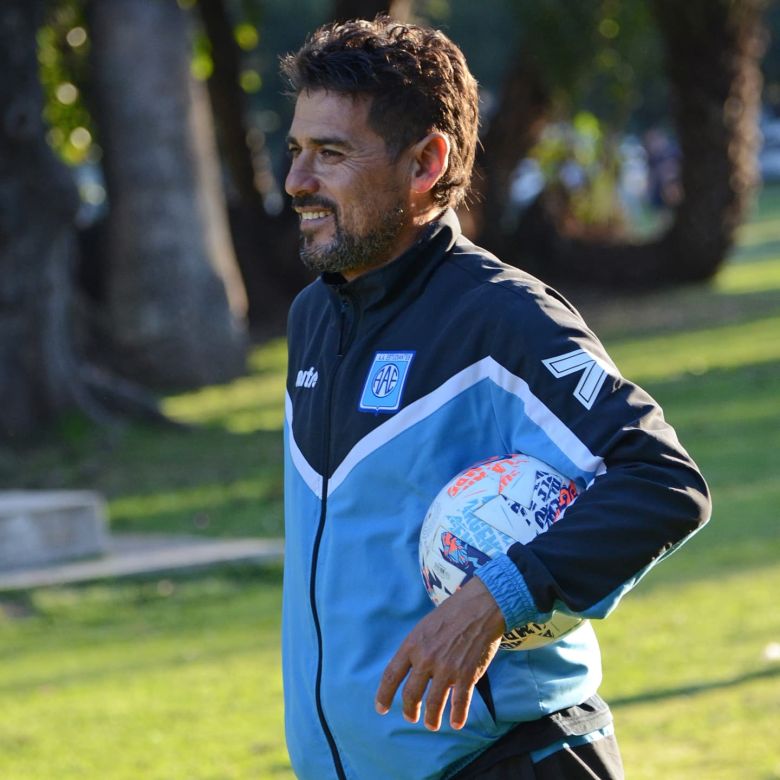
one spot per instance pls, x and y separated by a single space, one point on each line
353 252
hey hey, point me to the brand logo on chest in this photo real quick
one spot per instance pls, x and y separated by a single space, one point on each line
385 382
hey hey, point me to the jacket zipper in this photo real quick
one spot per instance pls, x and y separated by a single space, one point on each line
318 684
343 343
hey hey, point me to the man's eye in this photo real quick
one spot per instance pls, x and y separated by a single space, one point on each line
330 154
293 151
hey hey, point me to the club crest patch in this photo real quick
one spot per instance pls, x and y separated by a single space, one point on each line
385 382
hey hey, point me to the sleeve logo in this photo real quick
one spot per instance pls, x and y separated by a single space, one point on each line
579 361
385 382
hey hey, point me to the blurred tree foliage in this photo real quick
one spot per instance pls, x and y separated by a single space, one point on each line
63 57
606 58
712 53
602 76
602 57
561 82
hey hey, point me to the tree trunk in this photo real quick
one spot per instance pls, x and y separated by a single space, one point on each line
266 245
713 51
229 103
175 301
514 127
38 202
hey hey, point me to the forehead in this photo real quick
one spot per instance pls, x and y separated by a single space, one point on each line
320 114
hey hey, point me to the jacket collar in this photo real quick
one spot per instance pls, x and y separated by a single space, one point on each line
404 277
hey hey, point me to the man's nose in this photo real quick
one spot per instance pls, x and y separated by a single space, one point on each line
300 179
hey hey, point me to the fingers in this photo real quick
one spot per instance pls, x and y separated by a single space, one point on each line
414 690
449 649
461 702
435 702
392 677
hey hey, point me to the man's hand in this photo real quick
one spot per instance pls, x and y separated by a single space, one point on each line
451 648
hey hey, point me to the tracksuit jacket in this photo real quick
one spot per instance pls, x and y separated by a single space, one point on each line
397 381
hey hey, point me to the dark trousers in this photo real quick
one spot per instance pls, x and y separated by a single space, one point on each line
599 760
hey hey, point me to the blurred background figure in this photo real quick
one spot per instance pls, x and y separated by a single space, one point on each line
664 189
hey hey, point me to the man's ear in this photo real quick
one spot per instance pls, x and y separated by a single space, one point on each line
430 158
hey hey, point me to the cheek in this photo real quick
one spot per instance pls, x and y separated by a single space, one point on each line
375 199
363 202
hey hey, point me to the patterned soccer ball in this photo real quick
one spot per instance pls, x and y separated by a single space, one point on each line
481 513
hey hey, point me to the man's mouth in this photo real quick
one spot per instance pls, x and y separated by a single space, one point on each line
313 213
310 215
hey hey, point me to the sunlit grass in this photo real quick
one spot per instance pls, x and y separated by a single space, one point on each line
759 232
252 403
699 351
750 277
161 681
691 678
196 498
689 665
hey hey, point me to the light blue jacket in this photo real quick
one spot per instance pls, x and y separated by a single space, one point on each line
486 361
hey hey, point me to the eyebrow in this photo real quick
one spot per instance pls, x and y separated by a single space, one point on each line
324 141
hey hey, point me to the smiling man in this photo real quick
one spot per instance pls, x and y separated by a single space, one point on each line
350 195
413 355
360 205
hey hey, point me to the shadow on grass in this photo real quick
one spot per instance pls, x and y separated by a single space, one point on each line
205 480
177 661
143 587
692 690
759 251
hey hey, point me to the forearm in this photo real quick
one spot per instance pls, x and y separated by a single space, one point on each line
629 519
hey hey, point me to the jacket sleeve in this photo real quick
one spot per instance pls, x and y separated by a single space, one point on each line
644 495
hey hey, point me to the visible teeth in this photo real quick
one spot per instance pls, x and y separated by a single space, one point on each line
313 214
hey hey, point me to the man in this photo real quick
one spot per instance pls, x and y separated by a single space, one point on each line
414 355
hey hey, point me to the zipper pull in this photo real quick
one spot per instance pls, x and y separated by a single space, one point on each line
344 324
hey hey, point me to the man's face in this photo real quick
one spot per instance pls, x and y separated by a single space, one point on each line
352 198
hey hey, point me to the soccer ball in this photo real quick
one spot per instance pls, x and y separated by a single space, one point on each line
481 513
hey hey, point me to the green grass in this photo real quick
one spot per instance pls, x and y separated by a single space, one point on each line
158 679
179 679
692 657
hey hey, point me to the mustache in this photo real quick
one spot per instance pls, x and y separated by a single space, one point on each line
302 201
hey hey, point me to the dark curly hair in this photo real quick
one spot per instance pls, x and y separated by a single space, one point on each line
416 77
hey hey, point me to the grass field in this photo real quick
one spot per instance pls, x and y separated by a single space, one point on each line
174 679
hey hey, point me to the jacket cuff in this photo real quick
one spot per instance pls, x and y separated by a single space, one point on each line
507 586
